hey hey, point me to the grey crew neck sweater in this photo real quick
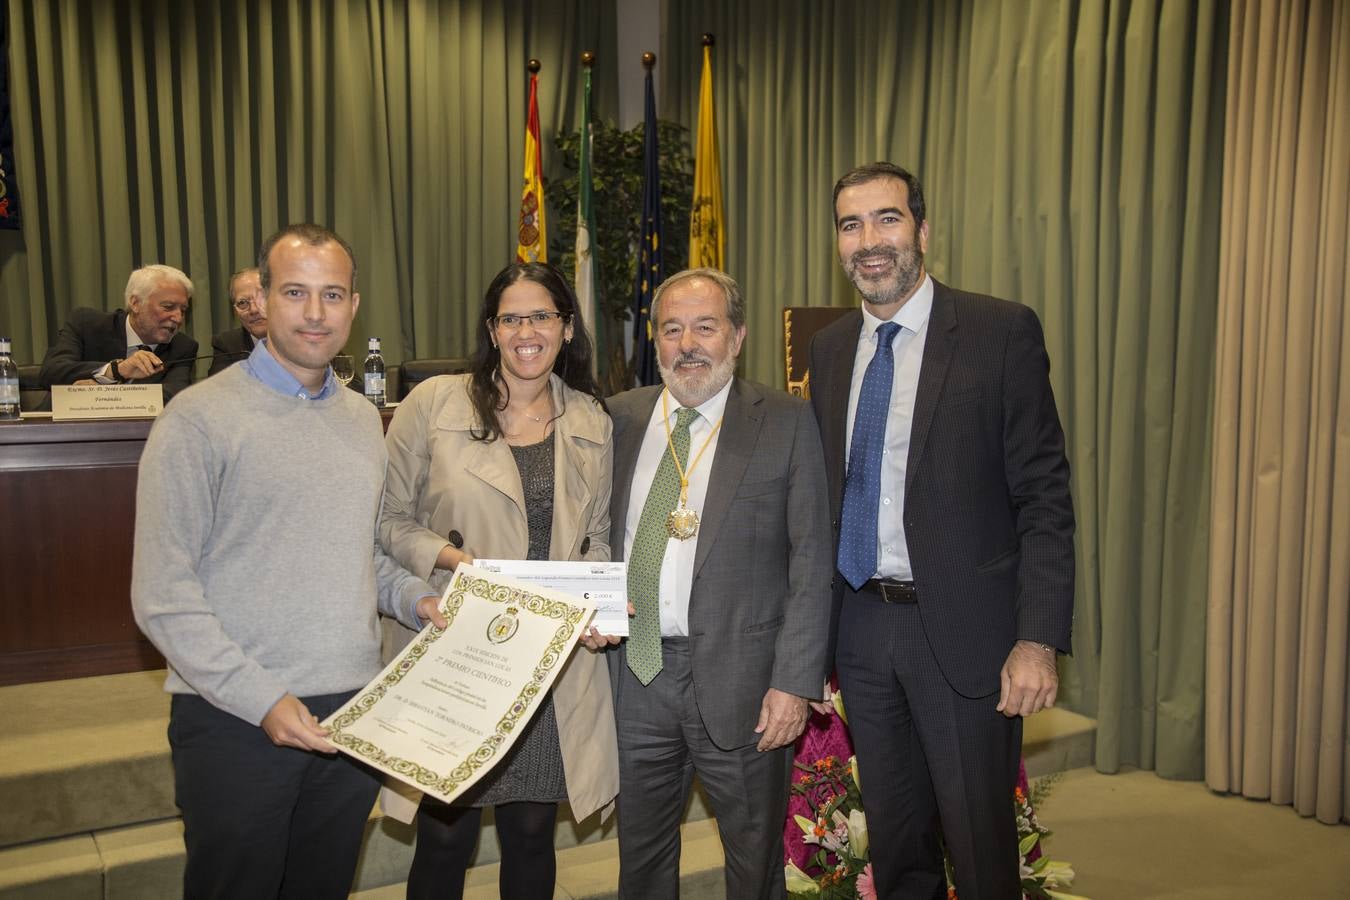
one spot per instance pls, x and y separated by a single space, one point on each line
256 571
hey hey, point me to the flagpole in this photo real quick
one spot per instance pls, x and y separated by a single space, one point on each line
650 270
584 278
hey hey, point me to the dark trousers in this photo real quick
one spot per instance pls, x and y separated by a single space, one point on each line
260 820
662 744
447 835
926 756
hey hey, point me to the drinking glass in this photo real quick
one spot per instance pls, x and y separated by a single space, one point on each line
343 369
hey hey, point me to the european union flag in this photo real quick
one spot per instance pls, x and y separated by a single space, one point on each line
650 270
9 195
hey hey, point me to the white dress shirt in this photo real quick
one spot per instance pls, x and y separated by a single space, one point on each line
892 551
677 566
104 375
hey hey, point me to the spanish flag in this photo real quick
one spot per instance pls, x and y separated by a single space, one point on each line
532 240
706 224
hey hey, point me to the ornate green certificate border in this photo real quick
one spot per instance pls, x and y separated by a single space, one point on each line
448 783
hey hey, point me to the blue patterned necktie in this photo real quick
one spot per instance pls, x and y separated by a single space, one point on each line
862 482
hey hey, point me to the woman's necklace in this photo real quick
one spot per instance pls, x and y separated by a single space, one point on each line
538 420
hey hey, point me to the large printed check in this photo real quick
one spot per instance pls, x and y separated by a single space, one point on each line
453 702
604 584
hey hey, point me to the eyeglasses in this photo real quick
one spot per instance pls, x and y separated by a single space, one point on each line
242 304
540 320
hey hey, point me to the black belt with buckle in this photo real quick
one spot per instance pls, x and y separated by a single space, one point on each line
889 591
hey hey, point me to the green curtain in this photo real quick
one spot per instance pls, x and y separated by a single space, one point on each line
185 132
1071 154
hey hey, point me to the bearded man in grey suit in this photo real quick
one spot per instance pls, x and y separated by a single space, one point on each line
729 575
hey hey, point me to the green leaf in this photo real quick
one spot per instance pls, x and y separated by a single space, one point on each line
1033 888
616 181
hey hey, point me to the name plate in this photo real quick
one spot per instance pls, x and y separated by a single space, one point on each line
106 401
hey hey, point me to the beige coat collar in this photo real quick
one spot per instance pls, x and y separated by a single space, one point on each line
577 434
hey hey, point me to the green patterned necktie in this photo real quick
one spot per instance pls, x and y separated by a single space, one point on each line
647 552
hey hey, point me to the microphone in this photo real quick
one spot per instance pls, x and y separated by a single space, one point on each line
238 354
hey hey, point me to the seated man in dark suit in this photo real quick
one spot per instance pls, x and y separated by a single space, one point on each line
140 344
246 300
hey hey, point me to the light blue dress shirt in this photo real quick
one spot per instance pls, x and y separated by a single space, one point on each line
262 365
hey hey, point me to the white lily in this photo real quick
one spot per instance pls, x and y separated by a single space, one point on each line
837 700
853 767
835 838
857 834
819 833
798 882
1057 874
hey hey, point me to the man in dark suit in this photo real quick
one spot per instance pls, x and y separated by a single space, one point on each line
247 301
141 344
729 575
950 493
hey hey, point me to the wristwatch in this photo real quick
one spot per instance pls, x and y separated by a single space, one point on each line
115 375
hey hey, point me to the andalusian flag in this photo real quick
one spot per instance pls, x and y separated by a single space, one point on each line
532 240
706 224
585 271
651 269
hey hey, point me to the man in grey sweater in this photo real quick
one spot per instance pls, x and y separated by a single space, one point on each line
257 574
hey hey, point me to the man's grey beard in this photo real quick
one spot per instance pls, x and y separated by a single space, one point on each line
698 387
908 264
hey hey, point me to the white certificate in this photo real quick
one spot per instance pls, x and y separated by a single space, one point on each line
604 584
450 706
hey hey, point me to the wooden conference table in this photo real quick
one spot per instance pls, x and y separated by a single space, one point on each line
67 520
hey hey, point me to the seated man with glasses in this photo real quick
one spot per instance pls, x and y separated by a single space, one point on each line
246 300
142 343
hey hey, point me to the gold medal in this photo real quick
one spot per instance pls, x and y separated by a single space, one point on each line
682 523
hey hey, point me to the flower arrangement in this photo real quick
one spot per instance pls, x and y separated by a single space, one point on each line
838 829
836 862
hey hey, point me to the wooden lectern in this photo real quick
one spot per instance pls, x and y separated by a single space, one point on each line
800 324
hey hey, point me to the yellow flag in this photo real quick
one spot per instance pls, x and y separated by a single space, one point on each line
532 241
706 224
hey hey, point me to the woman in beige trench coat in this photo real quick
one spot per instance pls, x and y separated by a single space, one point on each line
475 463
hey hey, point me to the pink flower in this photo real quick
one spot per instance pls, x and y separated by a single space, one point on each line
866 889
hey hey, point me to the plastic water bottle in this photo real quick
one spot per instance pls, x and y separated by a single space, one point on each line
373 374
9 384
